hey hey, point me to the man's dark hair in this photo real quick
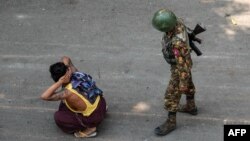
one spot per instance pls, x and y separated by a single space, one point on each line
57 70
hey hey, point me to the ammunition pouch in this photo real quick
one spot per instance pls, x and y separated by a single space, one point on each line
168 54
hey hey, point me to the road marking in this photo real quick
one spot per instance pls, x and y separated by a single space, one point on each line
26 66
215 119
8 56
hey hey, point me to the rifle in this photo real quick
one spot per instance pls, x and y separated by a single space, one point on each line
192 37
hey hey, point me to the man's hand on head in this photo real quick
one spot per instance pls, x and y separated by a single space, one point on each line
66 78
66 60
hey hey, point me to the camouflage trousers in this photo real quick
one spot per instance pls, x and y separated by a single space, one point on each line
173 94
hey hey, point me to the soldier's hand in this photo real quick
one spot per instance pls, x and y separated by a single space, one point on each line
183 89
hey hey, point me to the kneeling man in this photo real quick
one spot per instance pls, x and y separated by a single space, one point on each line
82 106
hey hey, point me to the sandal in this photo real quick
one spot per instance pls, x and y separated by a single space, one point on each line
81 134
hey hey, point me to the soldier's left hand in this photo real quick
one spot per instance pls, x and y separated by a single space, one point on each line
183 89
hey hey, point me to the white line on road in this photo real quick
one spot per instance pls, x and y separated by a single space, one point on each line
215 119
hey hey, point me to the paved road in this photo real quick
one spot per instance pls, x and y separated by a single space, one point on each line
113 40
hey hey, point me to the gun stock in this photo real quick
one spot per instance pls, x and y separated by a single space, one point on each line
192 37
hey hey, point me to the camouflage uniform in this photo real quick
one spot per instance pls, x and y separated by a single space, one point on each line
176 51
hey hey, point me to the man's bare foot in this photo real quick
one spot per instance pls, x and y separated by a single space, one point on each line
87 133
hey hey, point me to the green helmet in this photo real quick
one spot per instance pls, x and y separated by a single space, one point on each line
164 20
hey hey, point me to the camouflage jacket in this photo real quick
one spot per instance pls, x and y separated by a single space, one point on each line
176 51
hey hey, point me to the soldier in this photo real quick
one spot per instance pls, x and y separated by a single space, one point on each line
176 52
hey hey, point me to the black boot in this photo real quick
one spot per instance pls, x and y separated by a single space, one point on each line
168 126
190 107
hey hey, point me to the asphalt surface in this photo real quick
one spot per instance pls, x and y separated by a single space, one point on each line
114 41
